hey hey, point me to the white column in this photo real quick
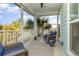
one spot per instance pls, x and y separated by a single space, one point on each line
21 20
57 26
35 26
68 30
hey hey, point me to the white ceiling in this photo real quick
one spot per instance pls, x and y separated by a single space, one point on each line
48 8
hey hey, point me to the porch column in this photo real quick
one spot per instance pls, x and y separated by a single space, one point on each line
57 28
21 21
35 27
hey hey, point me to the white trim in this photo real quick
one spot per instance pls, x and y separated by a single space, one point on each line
72 53
21 20
35 25
9 30
68 26
60 25
75 20
68 30
26 9
21 15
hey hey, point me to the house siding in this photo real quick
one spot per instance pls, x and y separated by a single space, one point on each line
63 27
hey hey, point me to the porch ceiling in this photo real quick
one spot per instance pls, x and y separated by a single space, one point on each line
47 9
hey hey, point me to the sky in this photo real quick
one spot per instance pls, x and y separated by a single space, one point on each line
52 19
10 12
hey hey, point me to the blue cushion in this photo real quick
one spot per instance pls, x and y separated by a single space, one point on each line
17 47
52 33
1 49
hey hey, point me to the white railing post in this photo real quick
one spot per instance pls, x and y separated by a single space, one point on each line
3 36
16 37
13 34
6 36
13 37
9 37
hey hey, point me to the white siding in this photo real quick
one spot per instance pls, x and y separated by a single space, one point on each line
63 26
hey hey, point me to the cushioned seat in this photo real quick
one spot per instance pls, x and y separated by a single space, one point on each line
16 48
1 49
51 36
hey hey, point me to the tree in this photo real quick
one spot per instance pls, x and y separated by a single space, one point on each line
29 24
48 26
42 23
1 27
16 24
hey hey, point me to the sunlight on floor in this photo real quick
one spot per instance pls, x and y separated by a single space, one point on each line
58 50
40 48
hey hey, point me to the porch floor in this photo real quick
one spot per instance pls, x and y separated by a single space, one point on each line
40 48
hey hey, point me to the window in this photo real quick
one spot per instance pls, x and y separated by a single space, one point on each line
75 37
74 28
73 11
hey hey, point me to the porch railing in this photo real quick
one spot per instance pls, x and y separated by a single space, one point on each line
10 36
28 35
